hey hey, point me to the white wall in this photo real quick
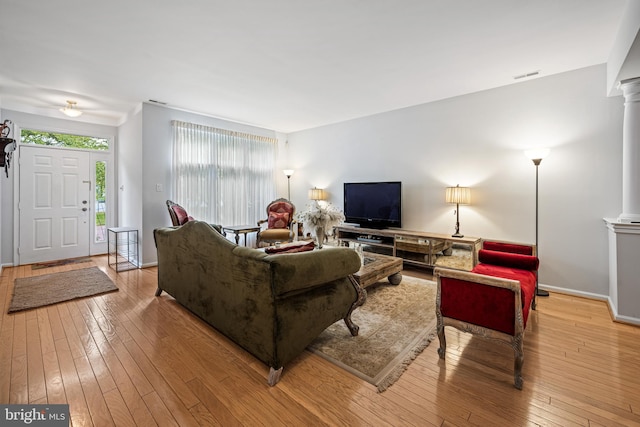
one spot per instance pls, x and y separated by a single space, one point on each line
478 140
624 58
129 172
156 166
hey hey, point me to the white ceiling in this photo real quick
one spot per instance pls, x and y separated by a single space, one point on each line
286 65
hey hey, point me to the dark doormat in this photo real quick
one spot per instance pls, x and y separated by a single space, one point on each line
57 263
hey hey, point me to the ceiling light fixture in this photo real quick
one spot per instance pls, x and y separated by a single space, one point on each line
70 110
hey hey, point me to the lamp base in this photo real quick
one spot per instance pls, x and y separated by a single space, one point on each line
457 235
542 293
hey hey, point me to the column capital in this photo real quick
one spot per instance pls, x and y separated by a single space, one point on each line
631 89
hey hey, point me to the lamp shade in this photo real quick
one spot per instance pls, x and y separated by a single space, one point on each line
288 172
458 195
537 153
317 194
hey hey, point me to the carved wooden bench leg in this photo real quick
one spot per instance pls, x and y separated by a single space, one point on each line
519 360
362 297
274 376
443 341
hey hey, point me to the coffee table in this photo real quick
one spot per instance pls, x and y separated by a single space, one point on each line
376 267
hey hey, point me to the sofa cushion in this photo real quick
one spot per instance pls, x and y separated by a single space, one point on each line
278 220
276 234
527 281
505 259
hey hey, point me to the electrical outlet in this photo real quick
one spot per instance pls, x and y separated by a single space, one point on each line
159 188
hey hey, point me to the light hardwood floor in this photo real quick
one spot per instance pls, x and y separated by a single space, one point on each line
129 358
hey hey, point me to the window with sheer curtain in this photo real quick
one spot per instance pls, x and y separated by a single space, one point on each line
221 176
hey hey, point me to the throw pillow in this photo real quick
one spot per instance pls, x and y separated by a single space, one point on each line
181 214
513 248
505 259
278 220
291 248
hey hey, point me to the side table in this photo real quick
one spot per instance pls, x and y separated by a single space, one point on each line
122 248
240 229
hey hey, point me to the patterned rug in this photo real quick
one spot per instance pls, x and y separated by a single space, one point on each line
47 289
396 324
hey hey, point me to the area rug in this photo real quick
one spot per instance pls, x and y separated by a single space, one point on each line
57 263
396 324
38 291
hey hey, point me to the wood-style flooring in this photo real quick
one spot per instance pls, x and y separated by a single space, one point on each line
129 358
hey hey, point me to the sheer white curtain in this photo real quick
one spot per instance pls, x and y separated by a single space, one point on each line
221 176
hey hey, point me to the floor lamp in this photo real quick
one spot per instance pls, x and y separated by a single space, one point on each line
536 156
288 173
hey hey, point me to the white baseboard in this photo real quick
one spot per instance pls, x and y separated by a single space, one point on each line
612 309
590 295
619 317
149 264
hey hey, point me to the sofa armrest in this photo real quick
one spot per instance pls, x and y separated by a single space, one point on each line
298 271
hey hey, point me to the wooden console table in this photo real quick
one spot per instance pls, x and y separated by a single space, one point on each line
414 247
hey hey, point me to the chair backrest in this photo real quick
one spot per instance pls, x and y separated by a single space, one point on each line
280 213
177 213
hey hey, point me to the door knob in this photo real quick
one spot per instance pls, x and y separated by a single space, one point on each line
84 209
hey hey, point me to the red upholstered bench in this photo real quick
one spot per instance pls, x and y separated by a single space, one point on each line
493 300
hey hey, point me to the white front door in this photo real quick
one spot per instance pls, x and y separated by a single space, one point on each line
55 204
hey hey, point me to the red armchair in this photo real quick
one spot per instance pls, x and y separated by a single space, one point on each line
279 223
493 300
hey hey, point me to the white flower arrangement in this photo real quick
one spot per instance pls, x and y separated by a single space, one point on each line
326 216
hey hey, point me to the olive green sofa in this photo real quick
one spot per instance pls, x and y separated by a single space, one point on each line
273 306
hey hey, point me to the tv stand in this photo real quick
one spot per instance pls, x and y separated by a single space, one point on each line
414 247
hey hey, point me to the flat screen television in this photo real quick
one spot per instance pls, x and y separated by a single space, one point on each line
373 204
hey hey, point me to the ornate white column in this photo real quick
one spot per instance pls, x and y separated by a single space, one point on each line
624 231
631 151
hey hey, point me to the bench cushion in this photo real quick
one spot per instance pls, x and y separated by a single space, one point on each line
527 281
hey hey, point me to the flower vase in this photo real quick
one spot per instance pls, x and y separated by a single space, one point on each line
319 236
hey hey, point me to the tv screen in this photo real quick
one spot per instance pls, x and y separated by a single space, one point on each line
373 204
